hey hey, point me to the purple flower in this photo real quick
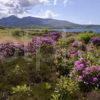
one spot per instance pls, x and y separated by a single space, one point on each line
77 63
54 35
90 75
80 64
73 53
95 41
47 40
95 79
39 41
11 49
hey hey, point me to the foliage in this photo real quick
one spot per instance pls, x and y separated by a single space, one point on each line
66 89
18 33
95 41
21 89
65 42
88 76
85 36
50 67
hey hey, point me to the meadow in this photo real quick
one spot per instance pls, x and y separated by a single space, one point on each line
47 65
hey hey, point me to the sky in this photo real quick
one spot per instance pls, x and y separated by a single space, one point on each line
77 11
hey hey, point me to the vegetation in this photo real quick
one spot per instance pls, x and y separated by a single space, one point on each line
46 66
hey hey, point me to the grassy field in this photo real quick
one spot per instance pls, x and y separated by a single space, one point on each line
19 35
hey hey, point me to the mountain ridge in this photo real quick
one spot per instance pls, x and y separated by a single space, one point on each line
29 22
13 21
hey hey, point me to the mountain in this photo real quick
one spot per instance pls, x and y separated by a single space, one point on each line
13 21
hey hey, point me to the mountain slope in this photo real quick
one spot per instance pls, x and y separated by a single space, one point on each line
13 21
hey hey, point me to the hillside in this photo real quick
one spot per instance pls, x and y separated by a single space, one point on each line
13 21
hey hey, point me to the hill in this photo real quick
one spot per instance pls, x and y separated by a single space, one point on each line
13 21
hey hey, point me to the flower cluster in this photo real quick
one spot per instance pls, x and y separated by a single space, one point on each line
79 45
11 49
17 49
73 53
6 50
80 65
95 41
39 41
54 35
87 74
91 75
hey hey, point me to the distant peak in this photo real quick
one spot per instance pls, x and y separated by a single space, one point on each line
12 16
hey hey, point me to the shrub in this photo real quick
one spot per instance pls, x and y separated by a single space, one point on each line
88 76
21 89
95 41
65 42
45 30
66 89
85 36
18 33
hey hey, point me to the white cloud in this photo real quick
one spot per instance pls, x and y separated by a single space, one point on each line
55 2
67 2
46 14
49 14
42 14
23 8
16 7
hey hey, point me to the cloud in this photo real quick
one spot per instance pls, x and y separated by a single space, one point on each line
42 14
23 8
16 7
62 1
55 2
50 14
47 14
66 2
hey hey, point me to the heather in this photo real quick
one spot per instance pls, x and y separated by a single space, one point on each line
50 66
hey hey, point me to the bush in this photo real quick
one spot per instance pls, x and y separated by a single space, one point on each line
66 88
85 36
18 33
65 42
21 89
95 41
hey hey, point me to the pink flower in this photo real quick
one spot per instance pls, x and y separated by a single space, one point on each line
95 79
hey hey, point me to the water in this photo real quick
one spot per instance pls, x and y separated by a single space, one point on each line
79 30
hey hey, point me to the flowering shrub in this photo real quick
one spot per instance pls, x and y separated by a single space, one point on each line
80 65
87 75
91 75
16 49
72 52
54 35
79 45
95 41
11 49
40 41
6 50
